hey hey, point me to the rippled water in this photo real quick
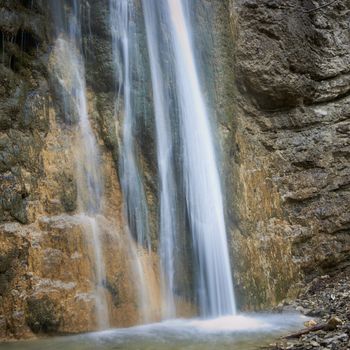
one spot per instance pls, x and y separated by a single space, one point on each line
242 332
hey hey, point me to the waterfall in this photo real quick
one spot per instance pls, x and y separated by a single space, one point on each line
200 172
123 45
167 187
89 178
126 56
201 176
189 189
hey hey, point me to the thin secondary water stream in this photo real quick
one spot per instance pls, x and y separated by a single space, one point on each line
244 332
87 158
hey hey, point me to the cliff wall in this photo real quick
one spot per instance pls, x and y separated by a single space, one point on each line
290 169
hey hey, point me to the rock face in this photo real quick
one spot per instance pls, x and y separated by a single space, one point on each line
47 277
290 144
23 118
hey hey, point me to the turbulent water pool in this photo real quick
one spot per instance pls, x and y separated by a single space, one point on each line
244 332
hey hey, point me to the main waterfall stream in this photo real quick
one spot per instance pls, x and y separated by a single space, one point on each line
168 32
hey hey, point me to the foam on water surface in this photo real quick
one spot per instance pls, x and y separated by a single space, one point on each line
241 332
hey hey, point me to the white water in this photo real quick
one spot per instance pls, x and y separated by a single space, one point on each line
93 229
204 204
167 189
123 33
89 178
202 182
123 43
244 332
204 200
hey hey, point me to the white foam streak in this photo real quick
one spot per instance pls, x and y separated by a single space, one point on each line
123 45
201 176
166 173
124 53
87 158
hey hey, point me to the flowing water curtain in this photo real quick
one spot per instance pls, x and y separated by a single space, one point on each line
131 81
70 73
126 55
153 16
200 175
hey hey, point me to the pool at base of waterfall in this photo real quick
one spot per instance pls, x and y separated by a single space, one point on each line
243 332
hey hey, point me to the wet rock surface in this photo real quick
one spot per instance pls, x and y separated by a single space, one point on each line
23 105
47 277
289 149
326 301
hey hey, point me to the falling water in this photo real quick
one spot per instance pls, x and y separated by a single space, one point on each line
164 153
201 176
93 229
89 179
121 11
126 55
200 171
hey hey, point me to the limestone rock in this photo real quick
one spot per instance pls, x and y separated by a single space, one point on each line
288 153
